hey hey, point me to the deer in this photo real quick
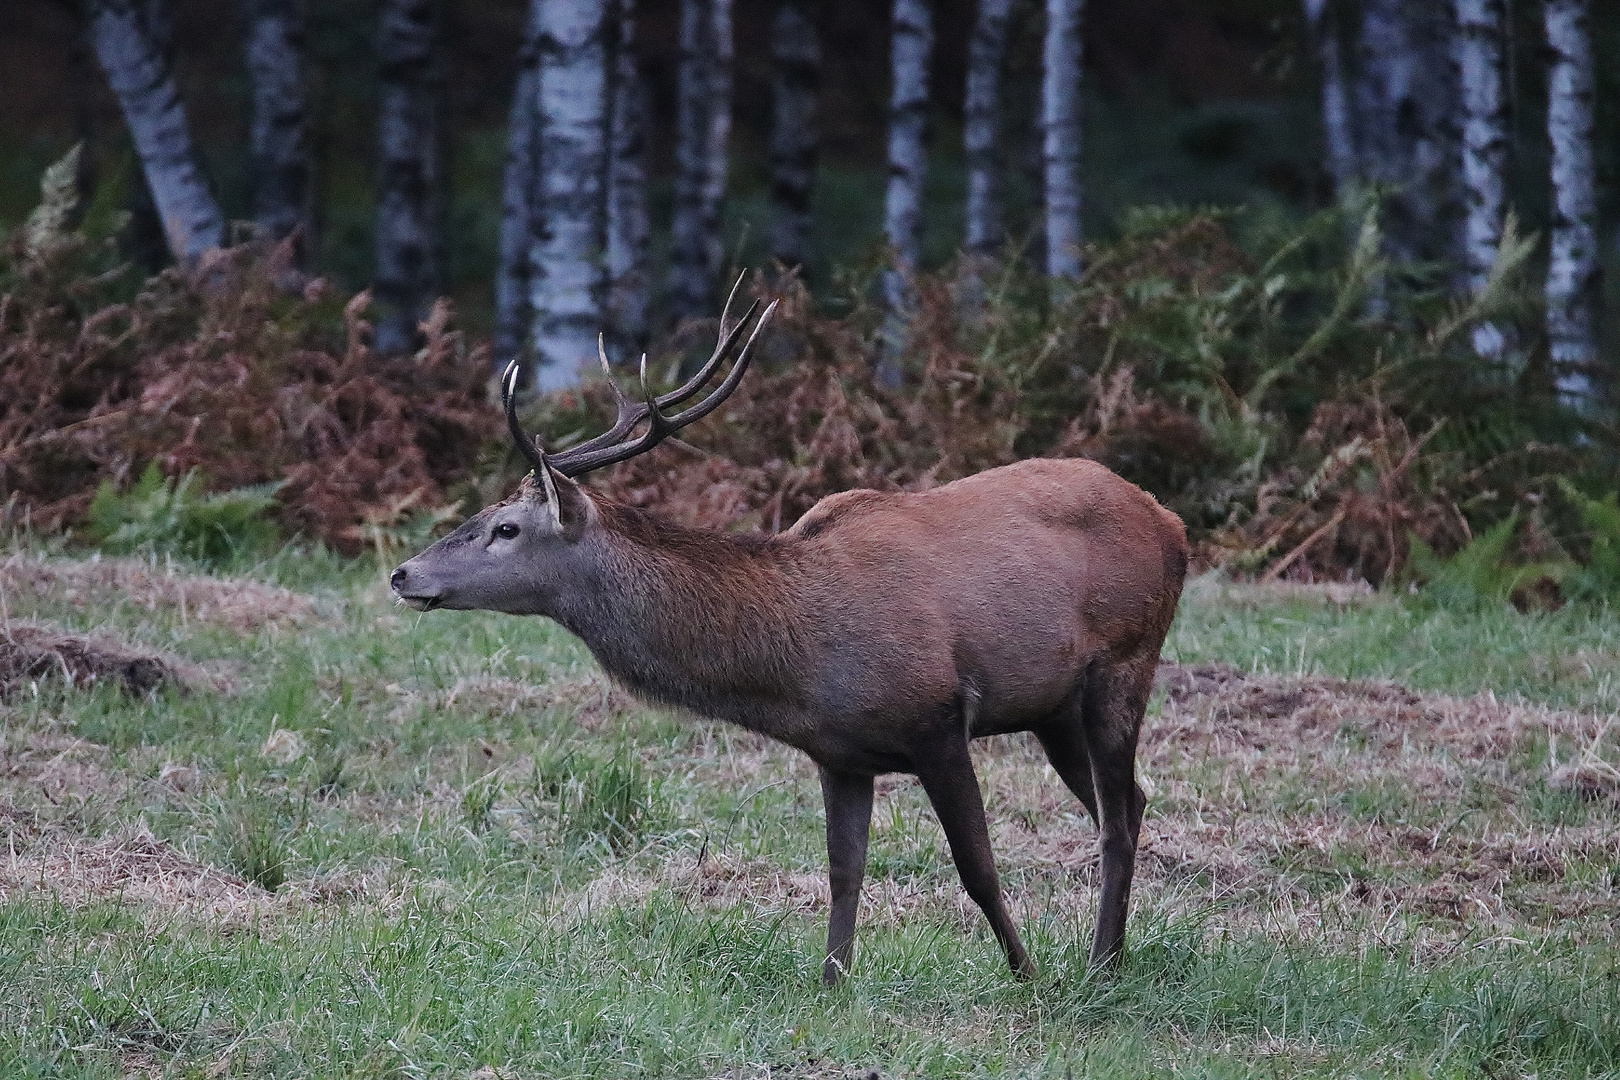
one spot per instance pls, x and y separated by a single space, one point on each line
879 634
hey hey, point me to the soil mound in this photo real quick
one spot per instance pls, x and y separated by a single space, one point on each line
29 653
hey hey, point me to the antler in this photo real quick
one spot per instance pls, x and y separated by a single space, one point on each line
611 446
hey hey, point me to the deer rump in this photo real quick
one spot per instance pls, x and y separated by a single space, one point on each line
881 633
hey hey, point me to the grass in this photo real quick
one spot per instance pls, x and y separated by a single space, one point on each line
372 843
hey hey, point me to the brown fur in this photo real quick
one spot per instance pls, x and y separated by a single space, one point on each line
879 634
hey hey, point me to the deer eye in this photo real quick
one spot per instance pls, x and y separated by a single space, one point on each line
506 530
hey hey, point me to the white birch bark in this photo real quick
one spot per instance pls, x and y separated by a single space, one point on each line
1405 111
703 133
910 46
567 257
1060 137
283 188
1572 270
1338 132
129 39
410 179
517 187
629 226
795 79
981 124
1479 51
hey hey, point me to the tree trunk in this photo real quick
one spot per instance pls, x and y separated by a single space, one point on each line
567 259
981 123
1572 270
517 187
703 133
130 38
628 224
410 184
1481 34
1338 133
909 50
795 81
1060 126
1405 105
283 192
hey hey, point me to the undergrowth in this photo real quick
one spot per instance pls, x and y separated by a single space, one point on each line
1309 408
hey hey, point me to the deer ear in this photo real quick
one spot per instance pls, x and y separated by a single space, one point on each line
568 504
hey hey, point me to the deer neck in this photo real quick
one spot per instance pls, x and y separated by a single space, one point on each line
702 620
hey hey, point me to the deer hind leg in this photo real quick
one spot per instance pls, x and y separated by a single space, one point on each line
1063 738
1113 702
848 801
953 788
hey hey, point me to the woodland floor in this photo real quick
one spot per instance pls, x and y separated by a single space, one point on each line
272 825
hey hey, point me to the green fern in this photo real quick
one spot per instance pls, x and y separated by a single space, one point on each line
1482 572
164 516
1599 578
59 197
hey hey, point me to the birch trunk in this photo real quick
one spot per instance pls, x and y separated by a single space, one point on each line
1479 49
410 180
703 131
1572 271
517 187
981 124
1338 133
795 79
909 50
130 38
1060 129
1405 106
283 192
566 260
629 227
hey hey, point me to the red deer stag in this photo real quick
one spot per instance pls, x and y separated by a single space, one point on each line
879 634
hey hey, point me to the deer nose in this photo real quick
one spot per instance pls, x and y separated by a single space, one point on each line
397 578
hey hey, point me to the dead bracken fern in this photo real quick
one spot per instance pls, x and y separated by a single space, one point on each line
225 370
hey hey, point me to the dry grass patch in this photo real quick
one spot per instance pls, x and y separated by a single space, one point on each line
232 603
134 867
591 700
1280 804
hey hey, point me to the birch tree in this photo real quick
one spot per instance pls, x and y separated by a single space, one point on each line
629 227
410 180
1572 270
795 80
130 38
517 188
981 124
283 191
1060 137
703 134
566 259
911 44
1481 32
1405 104
1338 134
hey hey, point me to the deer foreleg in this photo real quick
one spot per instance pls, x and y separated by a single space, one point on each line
849 821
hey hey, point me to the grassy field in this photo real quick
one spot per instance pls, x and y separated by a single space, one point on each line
1382 840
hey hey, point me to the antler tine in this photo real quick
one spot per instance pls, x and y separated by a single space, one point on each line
525 442
581 459
631 413
722 347
723 391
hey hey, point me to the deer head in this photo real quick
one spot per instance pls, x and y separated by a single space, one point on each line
520 556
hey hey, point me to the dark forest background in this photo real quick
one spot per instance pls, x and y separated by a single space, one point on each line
1194 102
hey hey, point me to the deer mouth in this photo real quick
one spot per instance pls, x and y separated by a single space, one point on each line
420 603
